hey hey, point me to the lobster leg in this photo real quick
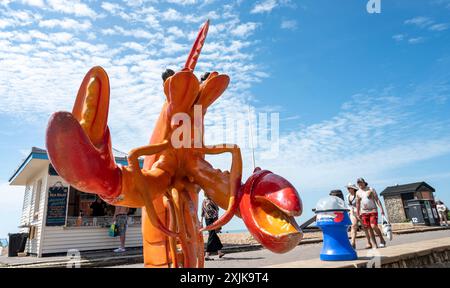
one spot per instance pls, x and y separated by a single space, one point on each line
156 243
194 252
192 229
193 190
233 185
168 203
187 256
145 184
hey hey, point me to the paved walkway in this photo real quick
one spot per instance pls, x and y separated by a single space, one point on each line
263 257
133 255
244 256
379 257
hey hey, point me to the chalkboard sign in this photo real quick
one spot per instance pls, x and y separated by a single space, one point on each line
56 207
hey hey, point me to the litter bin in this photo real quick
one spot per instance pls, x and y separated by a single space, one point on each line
17 242
420 212
332 217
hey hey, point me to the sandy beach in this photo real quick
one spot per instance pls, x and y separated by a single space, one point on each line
244 238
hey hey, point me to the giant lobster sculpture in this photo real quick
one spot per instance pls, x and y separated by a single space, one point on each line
167 186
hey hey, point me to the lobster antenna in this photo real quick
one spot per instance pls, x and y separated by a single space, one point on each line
197 47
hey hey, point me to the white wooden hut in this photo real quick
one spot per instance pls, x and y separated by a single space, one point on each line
54 228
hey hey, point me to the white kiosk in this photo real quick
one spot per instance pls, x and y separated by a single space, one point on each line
58 217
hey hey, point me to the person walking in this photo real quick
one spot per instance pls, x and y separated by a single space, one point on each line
210 212
121 218
442 211
366 208
351 202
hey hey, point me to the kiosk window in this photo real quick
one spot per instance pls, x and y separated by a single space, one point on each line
86 209
37 199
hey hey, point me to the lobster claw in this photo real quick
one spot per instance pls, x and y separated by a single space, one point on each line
79 143
267 206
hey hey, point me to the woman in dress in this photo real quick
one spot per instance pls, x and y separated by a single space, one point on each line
351 202
210 212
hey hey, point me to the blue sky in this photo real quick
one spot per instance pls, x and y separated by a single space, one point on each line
358 94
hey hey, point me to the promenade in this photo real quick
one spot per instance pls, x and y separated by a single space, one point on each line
239 256
309 253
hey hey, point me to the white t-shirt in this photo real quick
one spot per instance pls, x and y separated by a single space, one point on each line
368 204
441 208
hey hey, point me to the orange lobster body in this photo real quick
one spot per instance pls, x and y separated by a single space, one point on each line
174 170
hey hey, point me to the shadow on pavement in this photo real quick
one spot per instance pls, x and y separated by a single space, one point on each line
224 258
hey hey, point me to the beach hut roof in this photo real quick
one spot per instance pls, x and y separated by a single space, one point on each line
407 188
38 159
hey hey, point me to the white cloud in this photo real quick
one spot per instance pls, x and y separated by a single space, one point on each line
370 136
111 7
439 27
66 23
42 62
18 18
36 3
416 40
289 24
135 46
136 33
426 22
264 6
423 23
172 14
410 40
398 37
420 21
183 2
74 7
176 31
245 29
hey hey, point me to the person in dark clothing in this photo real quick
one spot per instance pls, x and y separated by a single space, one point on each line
337 193
98 208
210 212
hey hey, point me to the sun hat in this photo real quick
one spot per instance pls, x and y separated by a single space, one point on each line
352 186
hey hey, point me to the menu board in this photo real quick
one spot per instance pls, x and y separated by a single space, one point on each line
56 207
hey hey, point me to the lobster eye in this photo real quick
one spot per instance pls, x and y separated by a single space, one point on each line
205 76
166 74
